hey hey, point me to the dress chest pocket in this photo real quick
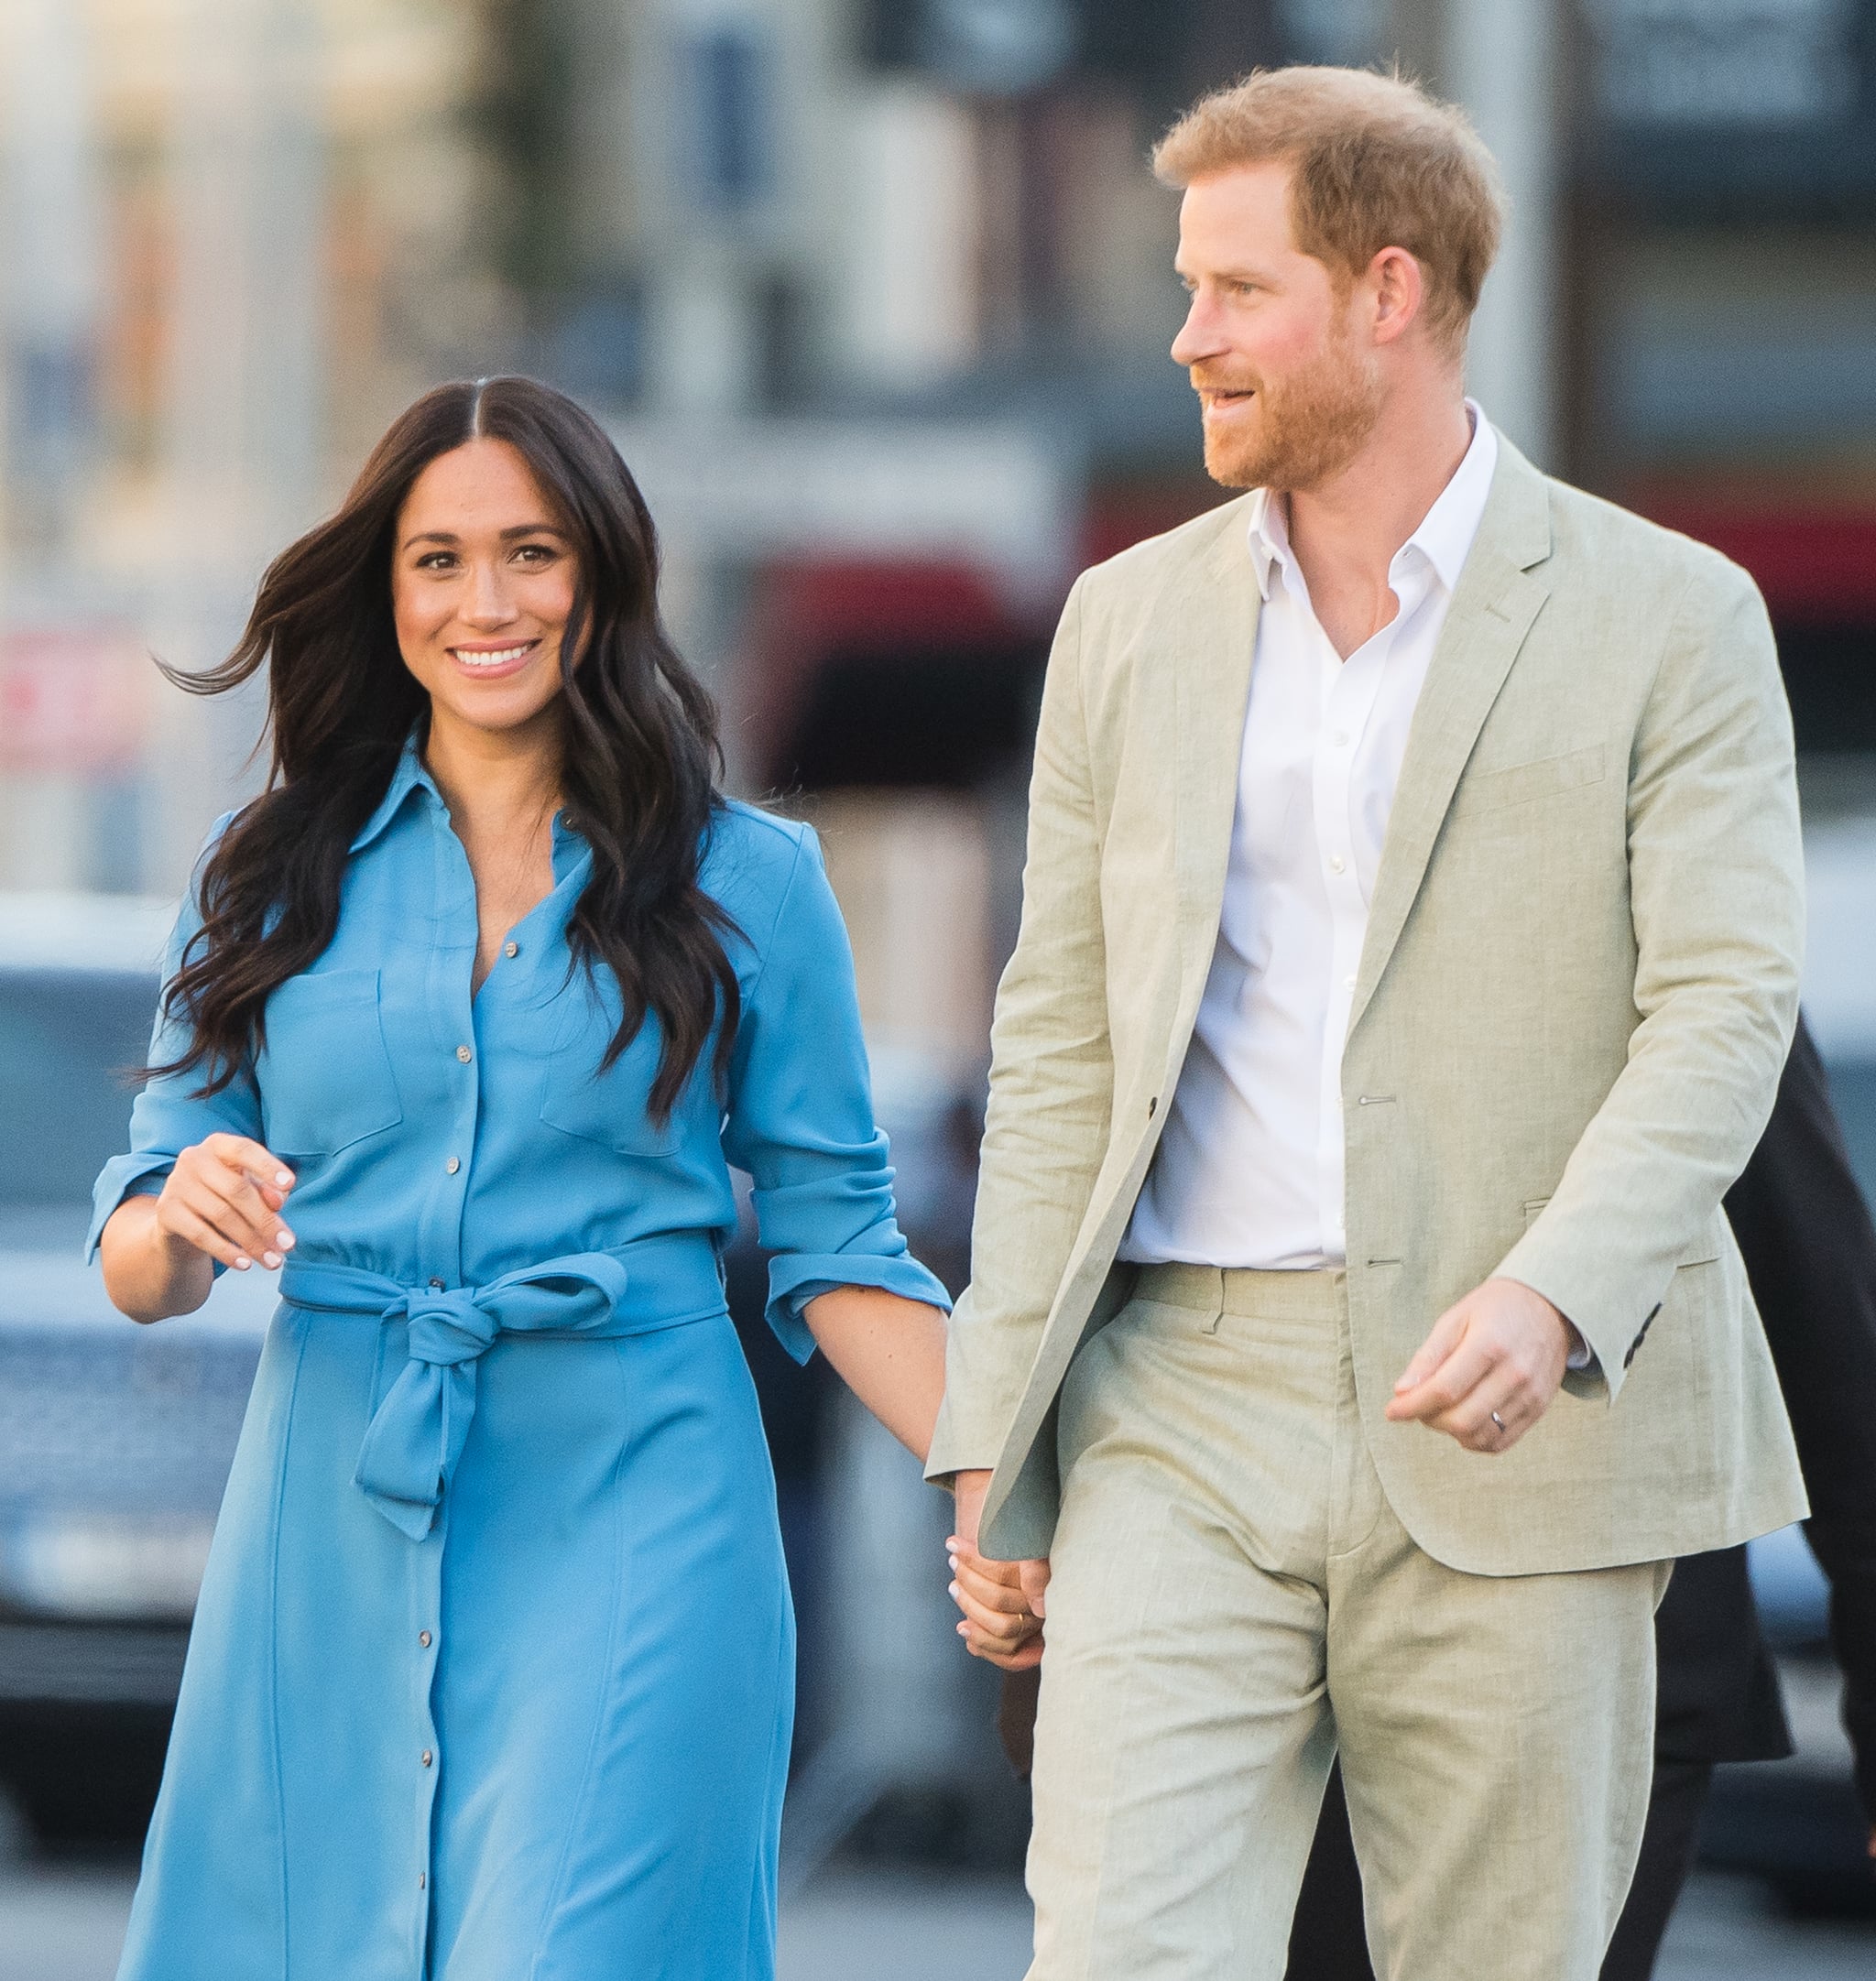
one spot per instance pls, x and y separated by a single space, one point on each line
607 1107
325 1077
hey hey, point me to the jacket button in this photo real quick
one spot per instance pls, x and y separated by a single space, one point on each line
452 1165
1151 1105
511 949
464 1054
423 1638
428 1757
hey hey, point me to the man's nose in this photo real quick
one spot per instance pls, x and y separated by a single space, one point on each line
1199 337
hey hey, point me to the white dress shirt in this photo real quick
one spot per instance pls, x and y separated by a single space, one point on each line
1249 1169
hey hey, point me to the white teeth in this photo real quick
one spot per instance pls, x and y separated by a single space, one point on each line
498 656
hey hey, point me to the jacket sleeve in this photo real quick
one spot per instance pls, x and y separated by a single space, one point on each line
1051 1082
800 1117
1810 1252
1716 889
171 1114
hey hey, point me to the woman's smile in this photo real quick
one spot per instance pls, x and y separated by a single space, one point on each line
488 662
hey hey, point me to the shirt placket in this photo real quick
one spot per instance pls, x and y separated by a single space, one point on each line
1348 691
454 1016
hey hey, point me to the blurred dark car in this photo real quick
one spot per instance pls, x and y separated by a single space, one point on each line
115 1440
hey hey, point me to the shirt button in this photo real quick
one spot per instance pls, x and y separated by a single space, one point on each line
423 1638
436 1286
511 949
452 1165
428 1757
1347 983
422 1879
1337 864
464 1054
1341 739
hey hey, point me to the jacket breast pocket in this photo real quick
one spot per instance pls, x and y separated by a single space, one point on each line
325 1077
1518 784
608 1107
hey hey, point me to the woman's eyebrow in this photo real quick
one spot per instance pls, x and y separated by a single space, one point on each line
508 536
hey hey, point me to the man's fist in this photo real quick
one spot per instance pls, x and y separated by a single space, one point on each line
1490 1368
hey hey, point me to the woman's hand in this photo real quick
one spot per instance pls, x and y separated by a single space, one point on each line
1003 1602
999 1626
225 1198
221 1203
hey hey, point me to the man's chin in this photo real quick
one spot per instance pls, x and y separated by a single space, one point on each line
1231 461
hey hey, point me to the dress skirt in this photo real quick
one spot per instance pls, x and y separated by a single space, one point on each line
549 1740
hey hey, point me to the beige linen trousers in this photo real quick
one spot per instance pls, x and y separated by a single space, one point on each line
1576 993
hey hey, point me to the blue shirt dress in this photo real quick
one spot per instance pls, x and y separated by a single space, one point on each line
492 1672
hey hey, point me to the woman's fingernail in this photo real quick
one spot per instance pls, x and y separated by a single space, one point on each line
284 1239
271 1260
283 1179
241 1262
952 1591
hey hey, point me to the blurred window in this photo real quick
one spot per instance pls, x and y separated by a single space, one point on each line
1763 62
67 1039
731 80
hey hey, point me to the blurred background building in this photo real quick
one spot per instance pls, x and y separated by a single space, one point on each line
876 296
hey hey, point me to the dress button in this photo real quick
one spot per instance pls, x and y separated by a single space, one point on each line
511 949
422 1879
1337 863
464 1054
428 1757
452 1165
423 1638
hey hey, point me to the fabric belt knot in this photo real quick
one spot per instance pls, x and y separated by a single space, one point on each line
417 1433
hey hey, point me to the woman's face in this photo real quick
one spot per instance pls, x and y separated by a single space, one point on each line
482 583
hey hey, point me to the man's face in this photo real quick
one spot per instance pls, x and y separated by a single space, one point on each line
1288 391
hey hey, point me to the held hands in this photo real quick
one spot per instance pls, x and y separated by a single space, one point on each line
1502 1349
1003 1602
223 1198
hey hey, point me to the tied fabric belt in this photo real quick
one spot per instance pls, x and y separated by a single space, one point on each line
415 1434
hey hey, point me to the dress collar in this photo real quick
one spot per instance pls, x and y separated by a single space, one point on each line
410 776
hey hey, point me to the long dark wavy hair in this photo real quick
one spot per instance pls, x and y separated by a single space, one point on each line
641 753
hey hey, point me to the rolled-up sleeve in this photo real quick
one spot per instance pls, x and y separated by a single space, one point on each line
801 1117
171 1114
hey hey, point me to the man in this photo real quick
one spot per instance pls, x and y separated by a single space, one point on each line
1810 1253
1354 1326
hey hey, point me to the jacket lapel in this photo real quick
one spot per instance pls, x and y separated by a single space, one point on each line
1215 634
1492 610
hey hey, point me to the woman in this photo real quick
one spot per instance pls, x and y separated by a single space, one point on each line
492 1671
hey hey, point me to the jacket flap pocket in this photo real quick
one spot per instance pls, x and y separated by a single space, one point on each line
1517 784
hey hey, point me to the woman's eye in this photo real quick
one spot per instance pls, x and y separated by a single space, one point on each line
435 561
534 553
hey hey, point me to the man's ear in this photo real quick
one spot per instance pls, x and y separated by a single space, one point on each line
1399 288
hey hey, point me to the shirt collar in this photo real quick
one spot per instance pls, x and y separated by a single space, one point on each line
1446 533
410 776
569 843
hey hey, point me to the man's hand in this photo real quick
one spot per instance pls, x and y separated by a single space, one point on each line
1502 1349
1003 1602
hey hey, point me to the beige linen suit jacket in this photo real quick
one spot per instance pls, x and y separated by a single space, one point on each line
1577 990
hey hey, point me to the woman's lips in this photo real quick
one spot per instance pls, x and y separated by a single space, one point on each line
490 663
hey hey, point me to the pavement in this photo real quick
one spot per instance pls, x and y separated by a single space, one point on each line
64 1922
